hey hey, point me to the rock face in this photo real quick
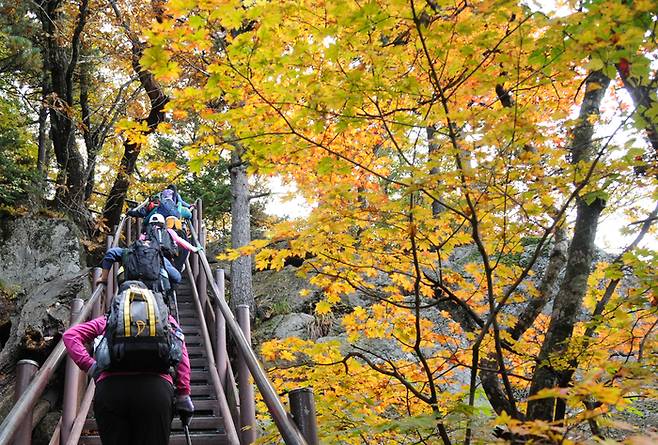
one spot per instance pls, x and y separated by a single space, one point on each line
289 325
38 250
277 293
43 268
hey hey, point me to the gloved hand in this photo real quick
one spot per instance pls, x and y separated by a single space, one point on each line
104 276
133 212
93 371
185 408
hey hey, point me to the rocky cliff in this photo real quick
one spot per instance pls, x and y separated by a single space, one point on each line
43 268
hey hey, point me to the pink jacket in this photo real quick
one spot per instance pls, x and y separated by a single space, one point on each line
76 337
177 239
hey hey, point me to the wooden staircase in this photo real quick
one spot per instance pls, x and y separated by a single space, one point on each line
206 427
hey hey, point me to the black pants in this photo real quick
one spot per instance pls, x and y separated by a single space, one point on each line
134 410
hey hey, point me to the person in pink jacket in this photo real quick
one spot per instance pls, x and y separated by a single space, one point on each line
131 407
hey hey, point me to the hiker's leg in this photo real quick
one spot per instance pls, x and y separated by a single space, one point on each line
174 275
154 403
112 418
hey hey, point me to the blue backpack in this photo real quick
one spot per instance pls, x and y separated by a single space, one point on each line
167 205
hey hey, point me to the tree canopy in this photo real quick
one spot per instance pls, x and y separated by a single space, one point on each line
459 158
419 131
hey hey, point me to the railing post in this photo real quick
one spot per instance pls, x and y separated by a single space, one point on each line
109 287
129 231
302 408
95 276
202 281
195 224
71 380
221 355
115 267
25 370
247 403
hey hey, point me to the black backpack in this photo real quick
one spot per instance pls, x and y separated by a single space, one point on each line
138 334
142 261
163 239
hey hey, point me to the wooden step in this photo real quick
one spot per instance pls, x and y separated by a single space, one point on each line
193 340
198 375
201 390
196 351
201 438
197 423
191 329
200 362
188 316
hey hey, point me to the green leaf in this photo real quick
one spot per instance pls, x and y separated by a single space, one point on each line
590 197
595 64
325 166
196 21
195 165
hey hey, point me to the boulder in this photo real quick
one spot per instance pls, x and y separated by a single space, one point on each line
278 292
35 250
284 326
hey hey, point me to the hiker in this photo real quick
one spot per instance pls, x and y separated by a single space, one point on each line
175 229
175 235
167 203
184 209
148 258
135 392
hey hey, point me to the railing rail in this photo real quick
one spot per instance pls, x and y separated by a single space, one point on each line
28 399
289 431
215 310
229 426
26 402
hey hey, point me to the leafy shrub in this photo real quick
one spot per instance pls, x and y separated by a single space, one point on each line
17 156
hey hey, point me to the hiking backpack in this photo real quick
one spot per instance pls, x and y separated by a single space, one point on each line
142 261
138 334
161 237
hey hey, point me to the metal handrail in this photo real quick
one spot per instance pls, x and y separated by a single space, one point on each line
38 384
285 425
229 426
79 423
25 403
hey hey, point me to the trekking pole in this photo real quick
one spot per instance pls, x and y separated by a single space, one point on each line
142 204
173 293
186 428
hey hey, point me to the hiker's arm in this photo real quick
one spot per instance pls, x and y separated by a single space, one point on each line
111 256
182 201
183 369
139 213
76 337
180 241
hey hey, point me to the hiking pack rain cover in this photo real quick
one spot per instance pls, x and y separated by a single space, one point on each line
138 335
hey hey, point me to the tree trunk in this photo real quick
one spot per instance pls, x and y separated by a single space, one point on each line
89 134
62 63
114 205
568 301
241 280
42 156
433 148
547 287
643 101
